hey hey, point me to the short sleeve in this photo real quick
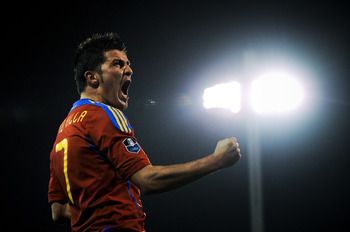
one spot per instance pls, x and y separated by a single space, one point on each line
115 139
128 157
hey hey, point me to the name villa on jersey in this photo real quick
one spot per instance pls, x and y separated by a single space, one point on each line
77 117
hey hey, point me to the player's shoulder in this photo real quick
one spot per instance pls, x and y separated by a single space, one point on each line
116 116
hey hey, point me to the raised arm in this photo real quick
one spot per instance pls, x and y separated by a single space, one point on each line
157 179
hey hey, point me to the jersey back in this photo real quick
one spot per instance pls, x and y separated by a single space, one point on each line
93 157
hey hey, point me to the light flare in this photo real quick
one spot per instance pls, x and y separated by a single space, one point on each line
275 93
225 95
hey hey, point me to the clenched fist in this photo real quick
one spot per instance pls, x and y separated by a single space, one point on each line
227 152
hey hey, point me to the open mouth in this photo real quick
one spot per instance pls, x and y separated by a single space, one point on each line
125 88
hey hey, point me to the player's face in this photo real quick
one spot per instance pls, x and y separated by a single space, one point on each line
115 79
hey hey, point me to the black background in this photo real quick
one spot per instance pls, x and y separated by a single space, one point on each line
178 48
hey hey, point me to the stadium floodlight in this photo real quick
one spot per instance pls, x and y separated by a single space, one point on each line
275 93
226 96
270 93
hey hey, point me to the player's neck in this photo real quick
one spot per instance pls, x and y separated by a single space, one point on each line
91 96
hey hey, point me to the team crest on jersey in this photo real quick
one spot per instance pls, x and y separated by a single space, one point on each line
131 145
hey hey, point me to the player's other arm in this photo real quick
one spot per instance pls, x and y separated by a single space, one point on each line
61 212
157 179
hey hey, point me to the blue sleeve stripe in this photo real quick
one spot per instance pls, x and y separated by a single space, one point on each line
137 205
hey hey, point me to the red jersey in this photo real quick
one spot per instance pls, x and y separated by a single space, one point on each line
93 157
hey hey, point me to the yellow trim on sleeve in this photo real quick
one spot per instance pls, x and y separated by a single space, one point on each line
116 118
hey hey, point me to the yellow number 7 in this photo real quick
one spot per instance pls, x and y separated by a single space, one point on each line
59 146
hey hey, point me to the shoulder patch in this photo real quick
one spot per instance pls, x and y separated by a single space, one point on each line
131 145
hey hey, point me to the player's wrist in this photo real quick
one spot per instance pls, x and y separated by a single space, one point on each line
214 163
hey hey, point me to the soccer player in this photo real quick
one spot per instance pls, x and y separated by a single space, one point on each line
97 166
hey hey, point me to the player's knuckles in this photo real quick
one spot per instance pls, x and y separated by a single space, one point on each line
234 145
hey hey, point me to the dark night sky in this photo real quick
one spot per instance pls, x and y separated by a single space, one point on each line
177 49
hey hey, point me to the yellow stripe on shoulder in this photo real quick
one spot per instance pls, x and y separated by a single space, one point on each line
117 120
123 120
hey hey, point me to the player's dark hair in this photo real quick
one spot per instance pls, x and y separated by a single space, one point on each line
90 55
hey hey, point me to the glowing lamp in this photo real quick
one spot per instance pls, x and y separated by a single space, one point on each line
275 93
226 96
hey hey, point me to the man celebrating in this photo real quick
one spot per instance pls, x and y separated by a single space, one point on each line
97 166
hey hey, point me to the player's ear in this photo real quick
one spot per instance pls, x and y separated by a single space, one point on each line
92 78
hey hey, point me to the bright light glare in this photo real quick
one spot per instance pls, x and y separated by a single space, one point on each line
275 93
226 96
